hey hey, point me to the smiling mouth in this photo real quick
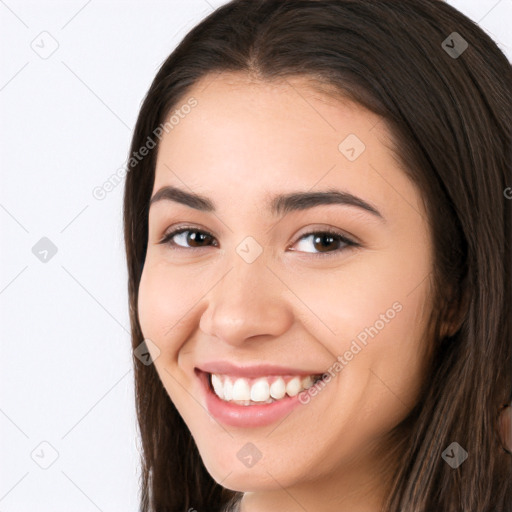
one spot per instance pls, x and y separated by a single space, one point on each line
260 390
252 397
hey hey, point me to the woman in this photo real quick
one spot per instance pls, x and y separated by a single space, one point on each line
318 239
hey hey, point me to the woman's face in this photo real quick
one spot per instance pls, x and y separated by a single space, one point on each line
257 293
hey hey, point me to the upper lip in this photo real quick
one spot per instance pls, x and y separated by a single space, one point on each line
253 371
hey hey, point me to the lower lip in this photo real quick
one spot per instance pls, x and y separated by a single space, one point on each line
245 416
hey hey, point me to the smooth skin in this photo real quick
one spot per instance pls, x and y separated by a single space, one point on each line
298 304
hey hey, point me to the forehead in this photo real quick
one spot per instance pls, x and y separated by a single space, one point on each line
247 138
277 112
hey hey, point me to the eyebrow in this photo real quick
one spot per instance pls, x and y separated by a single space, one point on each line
278 205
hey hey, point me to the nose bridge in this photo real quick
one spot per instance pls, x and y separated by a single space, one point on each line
247 302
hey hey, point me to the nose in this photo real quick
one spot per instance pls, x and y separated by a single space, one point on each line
249 301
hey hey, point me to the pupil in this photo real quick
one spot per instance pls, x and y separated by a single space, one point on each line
324 241
195 237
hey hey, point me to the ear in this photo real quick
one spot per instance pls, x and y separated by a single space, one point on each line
453 315
505 426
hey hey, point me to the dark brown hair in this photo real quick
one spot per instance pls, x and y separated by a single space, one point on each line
450 117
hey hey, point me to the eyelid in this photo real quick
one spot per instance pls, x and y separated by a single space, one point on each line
315 228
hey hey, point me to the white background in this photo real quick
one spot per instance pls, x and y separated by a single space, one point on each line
65 128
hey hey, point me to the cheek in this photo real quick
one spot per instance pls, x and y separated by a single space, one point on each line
374 315
162 302
377 292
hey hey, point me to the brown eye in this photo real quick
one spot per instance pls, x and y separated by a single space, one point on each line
197 238
183 236
324 242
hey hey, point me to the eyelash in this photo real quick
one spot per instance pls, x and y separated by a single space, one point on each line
167 239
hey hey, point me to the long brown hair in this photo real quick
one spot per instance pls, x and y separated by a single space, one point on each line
446 99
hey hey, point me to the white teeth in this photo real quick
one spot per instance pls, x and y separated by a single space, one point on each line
228 389
307 382
260 391
241 390
217 386
293 387
278 389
